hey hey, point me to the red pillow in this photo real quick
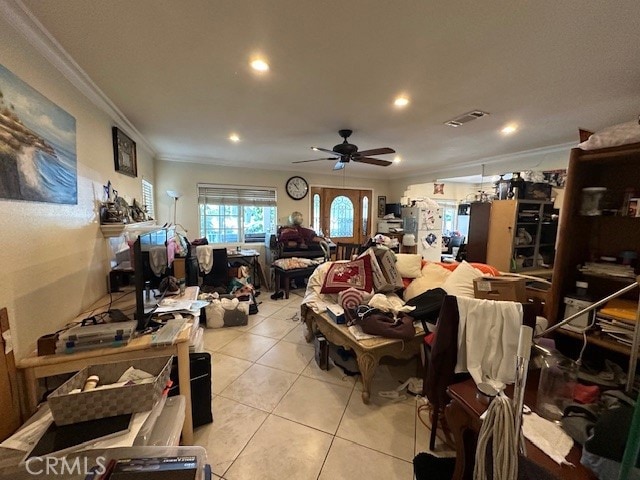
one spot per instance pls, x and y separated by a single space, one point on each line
342 275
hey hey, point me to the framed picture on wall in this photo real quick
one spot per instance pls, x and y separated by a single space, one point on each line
124 153
382 205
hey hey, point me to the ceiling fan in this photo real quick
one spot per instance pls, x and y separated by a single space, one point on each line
346 152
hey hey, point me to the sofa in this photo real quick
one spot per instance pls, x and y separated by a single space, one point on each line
418 276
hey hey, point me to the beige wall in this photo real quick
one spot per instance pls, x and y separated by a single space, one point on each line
184 178
452 191
538 160
54 256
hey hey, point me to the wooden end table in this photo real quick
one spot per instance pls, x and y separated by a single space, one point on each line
287 275
463 416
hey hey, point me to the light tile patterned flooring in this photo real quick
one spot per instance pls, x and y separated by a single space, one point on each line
277 415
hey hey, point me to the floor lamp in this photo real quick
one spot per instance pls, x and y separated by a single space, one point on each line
175 195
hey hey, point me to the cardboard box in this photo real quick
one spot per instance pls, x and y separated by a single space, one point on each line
385 274
68 408
500 288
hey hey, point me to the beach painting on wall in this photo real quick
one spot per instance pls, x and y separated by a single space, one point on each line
38 160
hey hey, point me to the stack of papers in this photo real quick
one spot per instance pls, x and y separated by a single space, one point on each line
608 269
617 320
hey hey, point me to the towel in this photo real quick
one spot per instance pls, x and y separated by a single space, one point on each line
158 260
390 303
488 334
204 254
547 436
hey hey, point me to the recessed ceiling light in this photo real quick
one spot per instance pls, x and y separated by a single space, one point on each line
509 129
397 159
401 101
234 138
259 65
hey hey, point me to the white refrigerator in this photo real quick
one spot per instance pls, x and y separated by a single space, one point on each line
425 222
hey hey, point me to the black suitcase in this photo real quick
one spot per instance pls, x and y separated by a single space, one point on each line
200 369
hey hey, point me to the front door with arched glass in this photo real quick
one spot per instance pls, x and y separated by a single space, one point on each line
344 214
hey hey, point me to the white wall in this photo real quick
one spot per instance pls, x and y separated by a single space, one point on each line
184 178
53 256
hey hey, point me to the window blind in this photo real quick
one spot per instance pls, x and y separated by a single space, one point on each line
147 197
234 195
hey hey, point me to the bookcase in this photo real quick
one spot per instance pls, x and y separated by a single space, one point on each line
522 235
583 238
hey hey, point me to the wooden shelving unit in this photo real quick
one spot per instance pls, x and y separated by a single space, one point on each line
506 219
587 238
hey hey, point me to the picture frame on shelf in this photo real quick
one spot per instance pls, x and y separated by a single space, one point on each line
124 153
382 205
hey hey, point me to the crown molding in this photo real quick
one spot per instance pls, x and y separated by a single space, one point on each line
561 147
24 21
217 162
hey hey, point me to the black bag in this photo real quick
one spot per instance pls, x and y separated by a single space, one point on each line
200 369
386 325
427 305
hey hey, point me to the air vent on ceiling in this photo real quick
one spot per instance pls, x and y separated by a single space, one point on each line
465 118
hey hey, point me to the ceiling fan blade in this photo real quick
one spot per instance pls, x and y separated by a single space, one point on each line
330 152
339 166
376 151
372 161
314 160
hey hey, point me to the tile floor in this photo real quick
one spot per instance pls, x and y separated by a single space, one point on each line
277 415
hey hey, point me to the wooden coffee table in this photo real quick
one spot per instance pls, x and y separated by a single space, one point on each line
368 352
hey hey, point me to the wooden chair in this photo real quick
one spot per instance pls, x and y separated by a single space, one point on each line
442 354
346 251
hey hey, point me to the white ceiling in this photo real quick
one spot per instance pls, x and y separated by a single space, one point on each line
178 70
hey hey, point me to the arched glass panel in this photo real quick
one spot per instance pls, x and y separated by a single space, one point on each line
341 217
316 214
365 216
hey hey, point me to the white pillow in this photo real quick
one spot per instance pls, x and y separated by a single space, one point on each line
409 265
621 134
460 282
433 276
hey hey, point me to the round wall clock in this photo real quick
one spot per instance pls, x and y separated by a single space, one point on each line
297 188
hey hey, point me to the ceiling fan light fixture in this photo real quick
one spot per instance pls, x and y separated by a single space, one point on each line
347 152
234 137
397 159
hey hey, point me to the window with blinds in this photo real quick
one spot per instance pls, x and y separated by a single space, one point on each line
234 214
147 198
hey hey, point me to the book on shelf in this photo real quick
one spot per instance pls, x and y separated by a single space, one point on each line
621 339
153 468
618 331
608 269
620 309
